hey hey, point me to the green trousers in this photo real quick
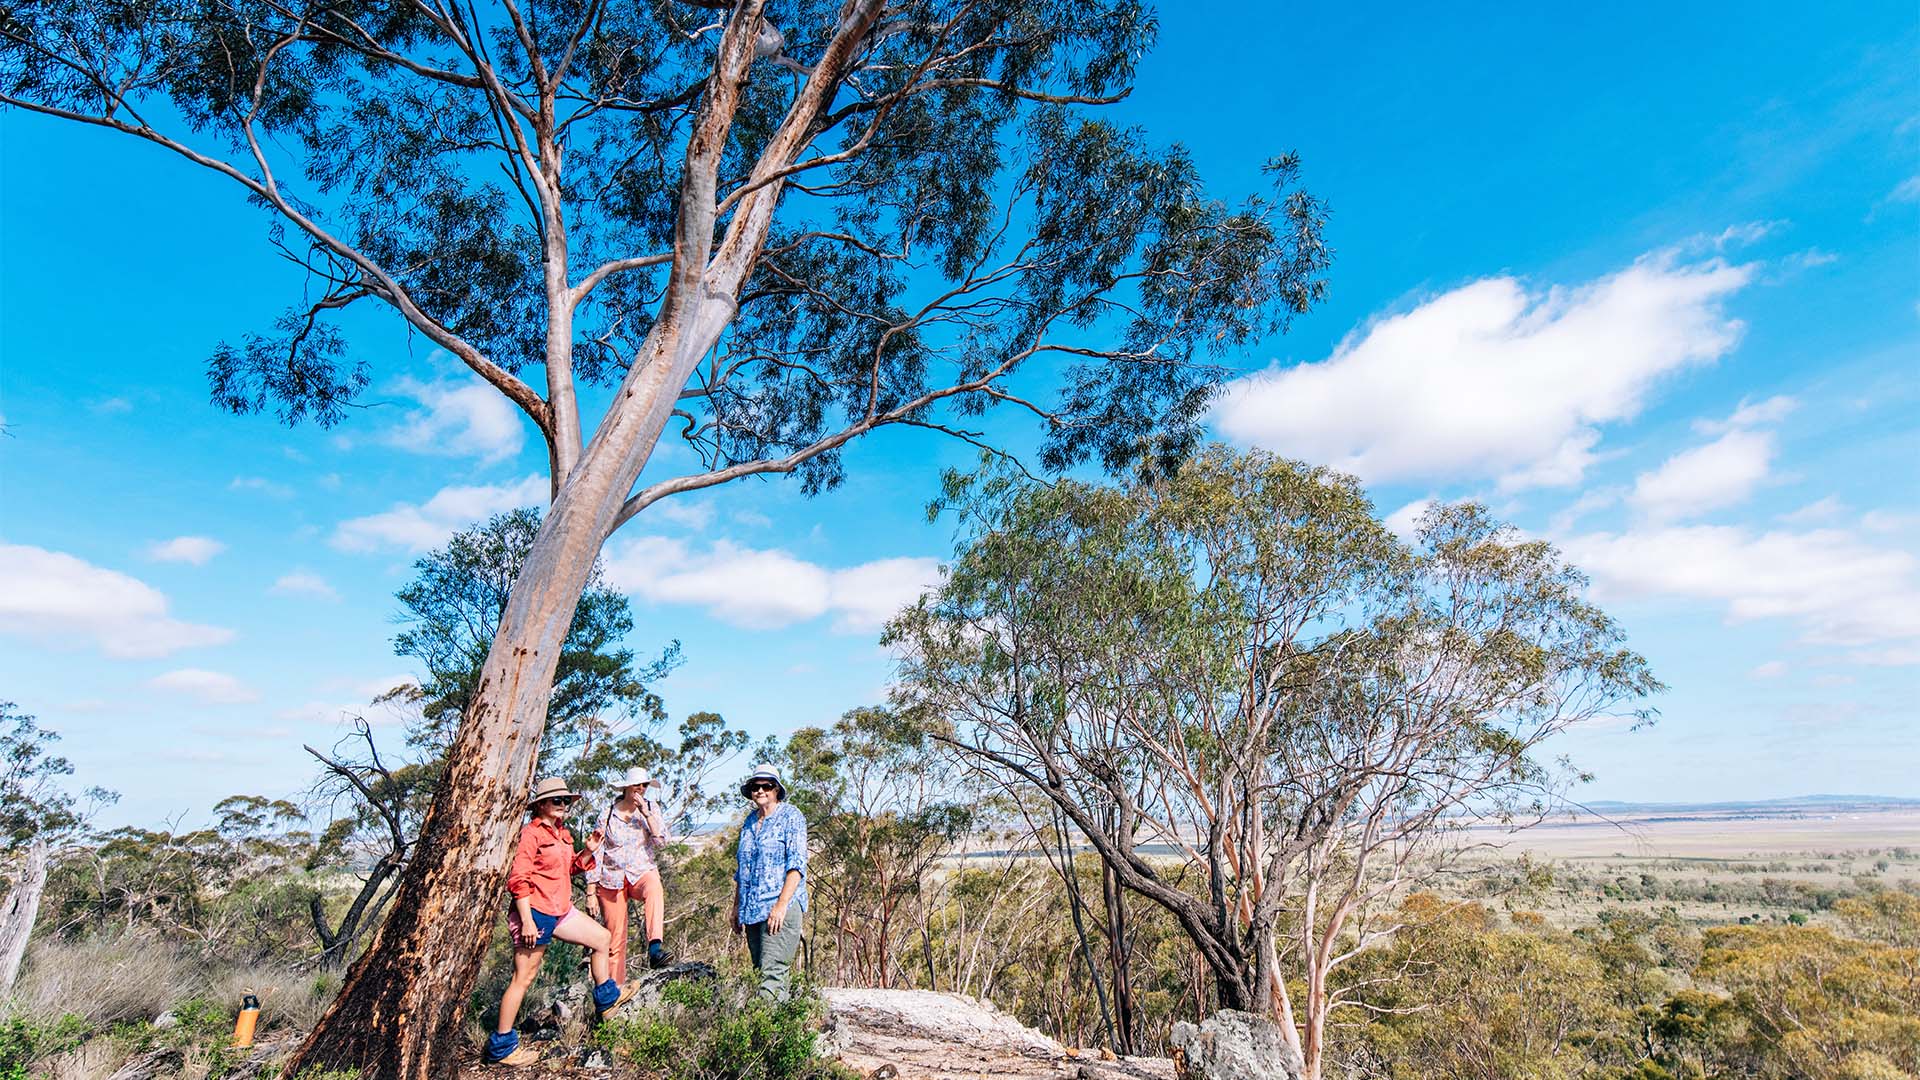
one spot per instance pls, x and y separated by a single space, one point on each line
773 955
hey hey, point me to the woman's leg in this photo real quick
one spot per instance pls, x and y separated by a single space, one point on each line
653 900
526 965
580 930
613 911
775 958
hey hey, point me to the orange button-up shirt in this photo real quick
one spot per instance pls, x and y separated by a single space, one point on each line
544 865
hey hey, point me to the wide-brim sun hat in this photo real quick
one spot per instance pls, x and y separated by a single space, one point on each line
764 773
634 777
550 788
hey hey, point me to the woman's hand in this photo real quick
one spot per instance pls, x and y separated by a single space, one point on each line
733 914
529 934
777 917
593 841
593 903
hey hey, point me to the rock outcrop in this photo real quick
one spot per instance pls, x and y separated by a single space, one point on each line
1233 1045
924 1035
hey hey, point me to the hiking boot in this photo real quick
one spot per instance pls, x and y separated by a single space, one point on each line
523 1055
658 956
626 995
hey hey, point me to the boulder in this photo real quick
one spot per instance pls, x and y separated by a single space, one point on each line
648 986
1232 1045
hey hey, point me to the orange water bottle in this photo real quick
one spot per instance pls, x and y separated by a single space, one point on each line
244 1023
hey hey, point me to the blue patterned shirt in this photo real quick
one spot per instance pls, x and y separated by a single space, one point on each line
769 847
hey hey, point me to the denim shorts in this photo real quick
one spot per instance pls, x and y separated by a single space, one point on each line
543 924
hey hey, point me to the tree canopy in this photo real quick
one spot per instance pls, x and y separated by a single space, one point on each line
509 181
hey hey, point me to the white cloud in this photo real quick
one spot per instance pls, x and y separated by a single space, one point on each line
305 583
364 693
262 485
113 406
205 687
1890 521
187 549
1835 588
425 526
695 514
1815 512
1750 414
866 596
1719 474
1907 190
758 589
1898 656
1492 380
47 596
1589 502
459 418
1751 232
1405 522
767 589
1772 669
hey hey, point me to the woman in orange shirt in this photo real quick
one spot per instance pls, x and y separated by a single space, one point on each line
541 882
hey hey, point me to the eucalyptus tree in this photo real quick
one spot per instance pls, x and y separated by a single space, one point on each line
771 227
1240 665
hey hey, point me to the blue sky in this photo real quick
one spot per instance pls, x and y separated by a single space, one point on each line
1645 278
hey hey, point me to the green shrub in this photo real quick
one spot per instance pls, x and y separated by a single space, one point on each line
717 1030
24 1041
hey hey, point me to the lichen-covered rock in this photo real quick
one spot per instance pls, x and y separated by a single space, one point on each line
1233 1045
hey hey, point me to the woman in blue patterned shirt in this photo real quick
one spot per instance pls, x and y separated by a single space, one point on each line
770 880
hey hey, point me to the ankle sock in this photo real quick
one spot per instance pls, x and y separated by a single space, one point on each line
502 1043
606 993
655 948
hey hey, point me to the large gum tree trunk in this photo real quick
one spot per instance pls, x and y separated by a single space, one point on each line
403 1004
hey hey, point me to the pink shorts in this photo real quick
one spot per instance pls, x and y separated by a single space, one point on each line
543 924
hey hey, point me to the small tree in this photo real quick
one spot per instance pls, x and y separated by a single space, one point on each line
376 822
33 804
881 810
568 192
450 614
1241 663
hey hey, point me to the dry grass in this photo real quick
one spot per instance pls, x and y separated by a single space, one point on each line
131 976
106 979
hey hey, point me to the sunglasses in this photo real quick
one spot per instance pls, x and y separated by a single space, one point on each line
560 800
751 788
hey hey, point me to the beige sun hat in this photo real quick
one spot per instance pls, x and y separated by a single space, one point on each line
551 787
634 777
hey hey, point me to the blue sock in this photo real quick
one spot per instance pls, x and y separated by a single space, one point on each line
606 993
655 948
501 1044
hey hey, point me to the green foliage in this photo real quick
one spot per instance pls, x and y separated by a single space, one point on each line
721 1031
1624 1001
32 802
451 611
882 808
23 1041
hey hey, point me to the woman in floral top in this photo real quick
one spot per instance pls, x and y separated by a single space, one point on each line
770 880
